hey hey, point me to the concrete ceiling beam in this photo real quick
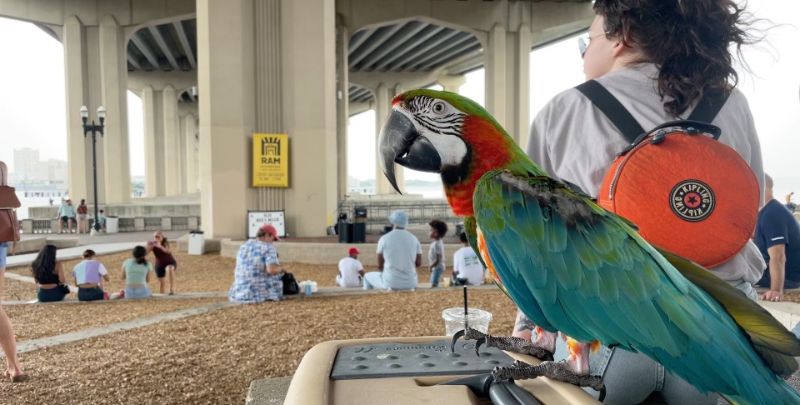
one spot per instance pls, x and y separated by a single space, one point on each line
395 44
145 50
187 48
135 63
154 31
442 55
375 44
433 44
408 47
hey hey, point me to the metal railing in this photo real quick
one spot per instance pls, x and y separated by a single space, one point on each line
42 226
152 224
419 211
180 223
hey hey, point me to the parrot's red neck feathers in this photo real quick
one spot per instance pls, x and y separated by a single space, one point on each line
489 150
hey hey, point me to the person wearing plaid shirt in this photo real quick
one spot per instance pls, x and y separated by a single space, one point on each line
258 273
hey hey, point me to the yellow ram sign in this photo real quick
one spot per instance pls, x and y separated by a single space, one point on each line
270 160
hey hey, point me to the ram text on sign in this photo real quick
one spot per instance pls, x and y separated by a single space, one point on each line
270 160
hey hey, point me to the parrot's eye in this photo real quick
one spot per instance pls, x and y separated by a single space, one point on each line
438 107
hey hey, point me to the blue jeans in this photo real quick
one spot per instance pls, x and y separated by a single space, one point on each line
137 292
436 274
3 254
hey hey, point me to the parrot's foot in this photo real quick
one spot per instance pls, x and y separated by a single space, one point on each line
559 371
511 344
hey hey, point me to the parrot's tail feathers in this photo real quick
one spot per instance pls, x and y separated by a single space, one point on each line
784 394
776 345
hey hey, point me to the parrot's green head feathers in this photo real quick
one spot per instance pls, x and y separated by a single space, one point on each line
443 132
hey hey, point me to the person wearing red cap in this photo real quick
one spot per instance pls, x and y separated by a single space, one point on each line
257 277
351 271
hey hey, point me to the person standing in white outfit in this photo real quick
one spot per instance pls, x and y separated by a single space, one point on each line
351 271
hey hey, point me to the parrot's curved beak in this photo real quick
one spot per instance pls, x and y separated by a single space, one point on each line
401 143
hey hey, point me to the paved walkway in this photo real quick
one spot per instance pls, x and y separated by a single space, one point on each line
101 244
50 341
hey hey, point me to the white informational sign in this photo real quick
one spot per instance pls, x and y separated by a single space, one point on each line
257 218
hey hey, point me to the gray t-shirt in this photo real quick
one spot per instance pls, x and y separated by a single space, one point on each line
573 141
399 249
436 250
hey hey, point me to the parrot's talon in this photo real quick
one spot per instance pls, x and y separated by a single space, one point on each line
456 336
558 371
478 344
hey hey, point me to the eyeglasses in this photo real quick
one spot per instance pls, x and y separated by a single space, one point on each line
584 41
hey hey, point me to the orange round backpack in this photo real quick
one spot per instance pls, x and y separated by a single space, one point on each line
686 192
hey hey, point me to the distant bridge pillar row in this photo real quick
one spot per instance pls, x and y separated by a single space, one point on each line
342 104
114 94
383 106
154 174
508 79
95 75
190 152
171 152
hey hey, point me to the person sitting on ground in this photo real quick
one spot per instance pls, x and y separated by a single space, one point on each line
351 271
66 216
136 273
89 275
778 239
436 251
399 255
49 275
467 268
165 262
258 276
83 211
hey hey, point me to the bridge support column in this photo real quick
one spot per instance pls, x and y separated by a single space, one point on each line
188 131
383 106
169 105
508 79
154 179
342 105
308 69
225 79
79 162
114 84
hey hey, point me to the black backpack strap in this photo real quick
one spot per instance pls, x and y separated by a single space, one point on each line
612 108
709 105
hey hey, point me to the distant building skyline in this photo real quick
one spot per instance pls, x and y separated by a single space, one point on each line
28 168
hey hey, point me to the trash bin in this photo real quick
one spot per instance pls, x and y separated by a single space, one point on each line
112 224
197 244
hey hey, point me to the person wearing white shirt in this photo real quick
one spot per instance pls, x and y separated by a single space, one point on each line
467 268
399 255
351 271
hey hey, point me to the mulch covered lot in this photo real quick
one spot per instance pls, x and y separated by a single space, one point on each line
213 357
209 358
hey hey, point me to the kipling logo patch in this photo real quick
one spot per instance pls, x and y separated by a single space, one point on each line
692 200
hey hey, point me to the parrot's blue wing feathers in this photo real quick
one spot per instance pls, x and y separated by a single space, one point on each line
571 265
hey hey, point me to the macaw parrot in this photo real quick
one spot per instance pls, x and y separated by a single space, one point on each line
571 266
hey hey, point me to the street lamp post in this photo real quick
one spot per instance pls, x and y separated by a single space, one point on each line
94 129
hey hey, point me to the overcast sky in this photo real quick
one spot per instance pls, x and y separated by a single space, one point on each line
32 106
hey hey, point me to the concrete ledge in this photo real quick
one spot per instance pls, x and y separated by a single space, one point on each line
34 244
787 313
327 253
210 246
268 391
